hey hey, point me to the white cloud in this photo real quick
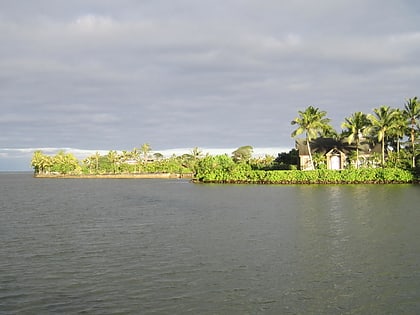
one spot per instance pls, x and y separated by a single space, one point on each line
91 23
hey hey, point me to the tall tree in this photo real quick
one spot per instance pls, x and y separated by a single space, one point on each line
38 162
382 121
89 162
113 159
313 123
97 157
196 153
145 149
412 113
242 154
398 129
355 127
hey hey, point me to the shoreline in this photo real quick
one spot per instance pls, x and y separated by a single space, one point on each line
118 176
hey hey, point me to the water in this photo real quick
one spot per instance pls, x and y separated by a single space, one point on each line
171 247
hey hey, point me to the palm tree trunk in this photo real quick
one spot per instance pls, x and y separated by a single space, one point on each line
413 162
383 151
357 153
311 161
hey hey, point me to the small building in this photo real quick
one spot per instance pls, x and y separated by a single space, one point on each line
336 159
336 152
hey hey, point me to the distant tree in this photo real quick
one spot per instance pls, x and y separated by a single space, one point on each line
65 163
97 157
89 162
38 162
145 150
267 161
113 159
242 154
158 156
196 153
313 123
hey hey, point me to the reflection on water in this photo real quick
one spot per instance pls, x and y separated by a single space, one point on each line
171 247
353 242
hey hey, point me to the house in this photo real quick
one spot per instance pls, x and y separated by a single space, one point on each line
336 152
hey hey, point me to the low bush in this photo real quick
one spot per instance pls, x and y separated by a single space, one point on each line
242 173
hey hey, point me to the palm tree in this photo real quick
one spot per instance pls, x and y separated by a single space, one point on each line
313 123
65 163
88 161
382 122
356 126
135 155
196 153
412 113
145 149
113 159
97 156
38 162
398 130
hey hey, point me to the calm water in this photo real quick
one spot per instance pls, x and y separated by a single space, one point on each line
172 247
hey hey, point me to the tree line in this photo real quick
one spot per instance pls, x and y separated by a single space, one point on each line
143 160
396 129
138 160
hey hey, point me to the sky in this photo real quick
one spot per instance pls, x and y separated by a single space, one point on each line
90 75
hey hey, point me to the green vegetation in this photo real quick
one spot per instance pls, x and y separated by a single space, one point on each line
125 162
313 123
396 130
355 127
222 169
386 126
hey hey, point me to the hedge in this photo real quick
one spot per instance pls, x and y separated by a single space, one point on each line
243 174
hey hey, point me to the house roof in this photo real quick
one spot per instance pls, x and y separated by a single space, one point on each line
324 145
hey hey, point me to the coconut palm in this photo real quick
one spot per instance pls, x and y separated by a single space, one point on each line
145 149
97 157
412 114
398 130
356 127
65 163
382 121
313 123
113 159
196 153
89 162
38 162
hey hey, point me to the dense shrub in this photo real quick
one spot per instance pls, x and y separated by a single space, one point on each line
218 169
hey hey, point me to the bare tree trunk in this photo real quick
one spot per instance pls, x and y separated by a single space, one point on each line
311 161
413 147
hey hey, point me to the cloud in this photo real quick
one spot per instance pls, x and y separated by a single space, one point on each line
93 23
185 74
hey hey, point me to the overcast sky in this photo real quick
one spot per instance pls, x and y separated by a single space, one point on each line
108 74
